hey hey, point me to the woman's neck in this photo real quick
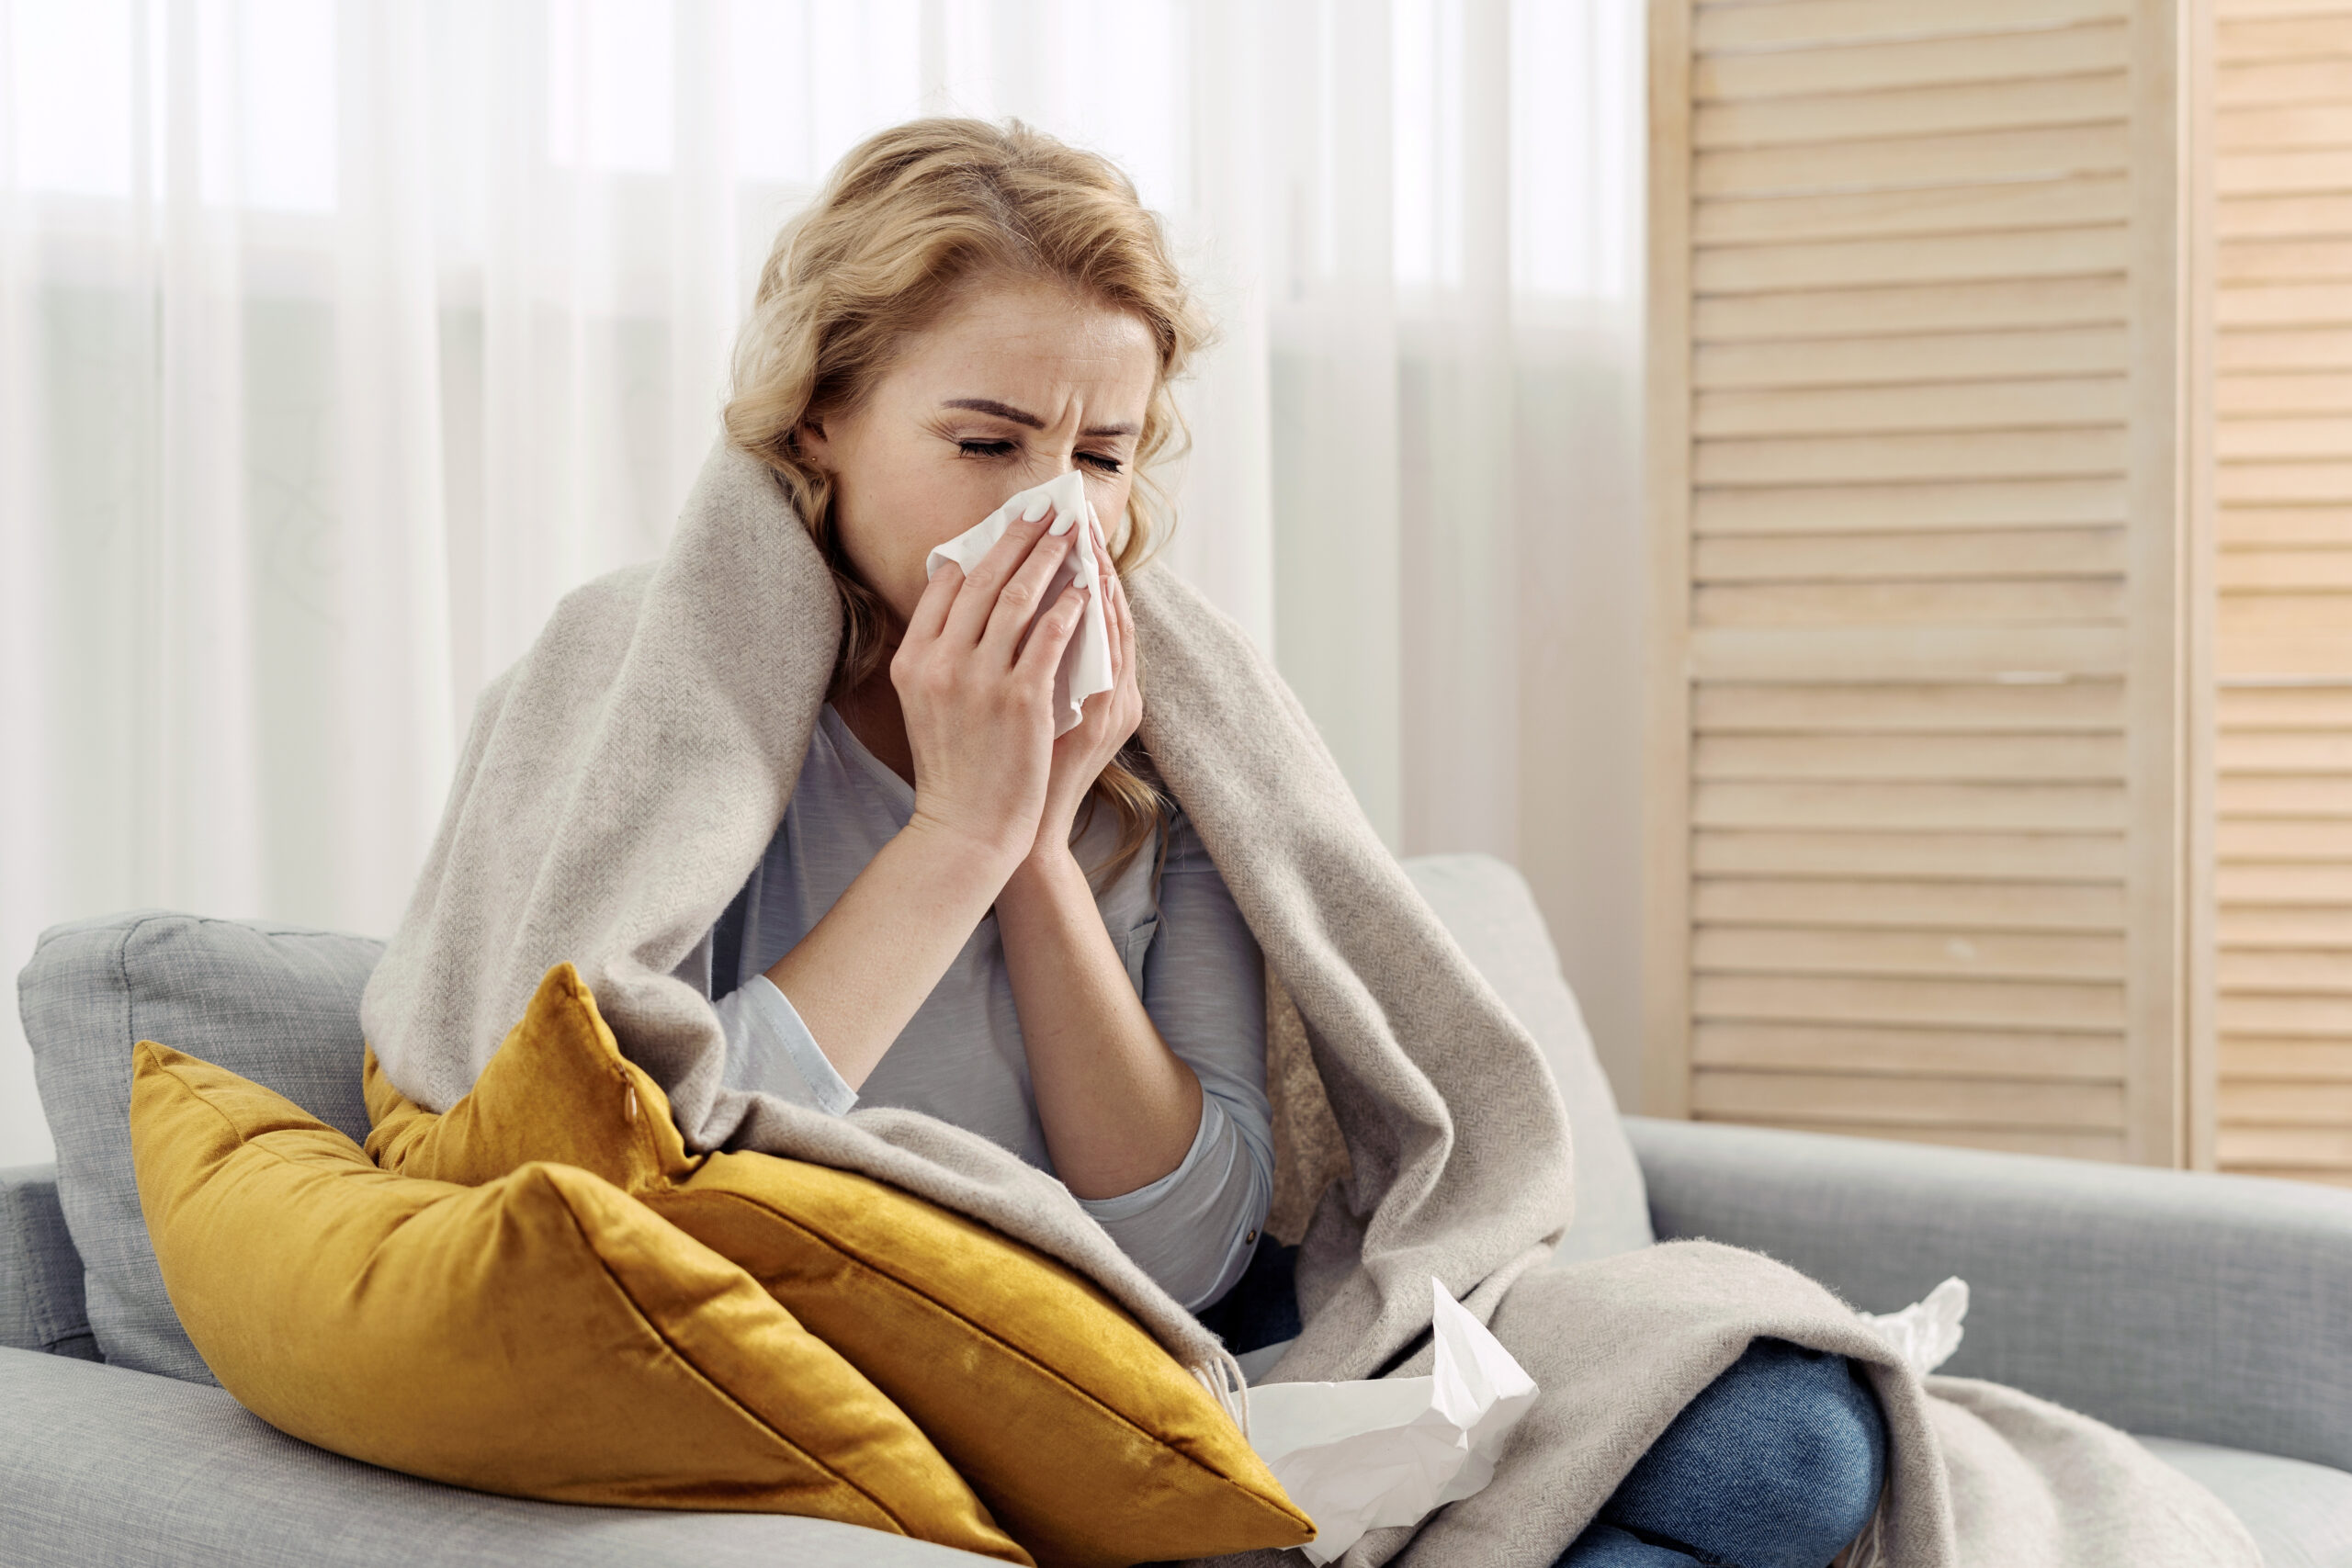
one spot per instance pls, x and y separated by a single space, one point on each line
871 710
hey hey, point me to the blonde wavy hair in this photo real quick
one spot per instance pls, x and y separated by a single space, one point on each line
908 217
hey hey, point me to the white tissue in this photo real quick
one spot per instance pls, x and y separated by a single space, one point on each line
1926 1332
1358 1456
1086 662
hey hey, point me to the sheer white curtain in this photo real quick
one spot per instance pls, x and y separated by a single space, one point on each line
338 340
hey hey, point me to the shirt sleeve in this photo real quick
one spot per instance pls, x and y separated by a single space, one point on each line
1194 1228
769 1049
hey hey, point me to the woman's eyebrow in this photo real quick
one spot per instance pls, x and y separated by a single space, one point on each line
1023 417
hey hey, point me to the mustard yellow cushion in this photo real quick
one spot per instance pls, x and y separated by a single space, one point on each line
1088 1442
543 1334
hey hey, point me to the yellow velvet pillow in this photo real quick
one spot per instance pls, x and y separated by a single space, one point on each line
1086 1440
543 1334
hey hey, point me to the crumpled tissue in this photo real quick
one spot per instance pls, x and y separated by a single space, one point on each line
1926 1332
1086 662
1358 1456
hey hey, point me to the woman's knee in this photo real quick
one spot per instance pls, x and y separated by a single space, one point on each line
1784 1453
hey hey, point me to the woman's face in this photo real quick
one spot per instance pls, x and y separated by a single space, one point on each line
1017 381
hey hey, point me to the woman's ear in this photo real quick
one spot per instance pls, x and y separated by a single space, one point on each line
808 441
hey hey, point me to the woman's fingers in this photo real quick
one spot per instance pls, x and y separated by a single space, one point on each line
1043 654
976 601
938 599
1023 592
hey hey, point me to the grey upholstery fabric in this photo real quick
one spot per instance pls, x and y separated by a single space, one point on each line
41 1274
2211 1308
2299 1513
279 1005
1487 907
101 1466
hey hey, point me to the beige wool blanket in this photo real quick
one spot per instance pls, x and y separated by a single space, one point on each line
623 778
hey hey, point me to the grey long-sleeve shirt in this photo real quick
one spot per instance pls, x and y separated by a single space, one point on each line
961 1058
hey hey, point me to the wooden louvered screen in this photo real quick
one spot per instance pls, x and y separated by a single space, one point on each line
2282 398
1915 869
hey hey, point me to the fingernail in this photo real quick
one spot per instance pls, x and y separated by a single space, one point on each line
1061 526
1036 508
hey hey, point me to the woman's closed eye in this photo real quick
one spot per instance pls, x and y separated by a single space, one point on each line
1101 462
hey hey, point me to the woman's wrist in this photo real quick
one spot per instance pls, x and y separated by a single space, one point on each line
959 858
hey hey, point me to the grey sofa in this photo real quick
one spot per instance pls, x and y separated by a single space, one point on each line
2210 1315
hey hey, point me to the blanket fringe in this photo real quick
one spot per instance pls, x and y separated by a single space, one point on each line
1867 1550
1221 1375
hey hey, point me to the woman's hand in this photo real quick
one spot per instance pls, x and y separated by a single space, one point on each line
1109 719
978 700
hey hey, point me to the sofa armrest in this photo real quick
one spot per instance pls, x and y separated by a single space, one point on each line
41 1274
102 1464
2170 1304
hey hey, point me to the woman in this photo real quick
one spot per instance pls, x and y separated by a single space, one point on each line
798 812
965 313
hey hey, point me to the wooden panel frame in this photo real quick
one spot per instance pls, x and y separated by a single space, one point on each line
1665 893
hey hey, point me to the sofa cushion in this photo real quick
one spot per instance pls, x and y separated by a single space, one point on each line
41 1274
2299 1513
1090 1444
1487 907
276 1004
543 1336
101 1467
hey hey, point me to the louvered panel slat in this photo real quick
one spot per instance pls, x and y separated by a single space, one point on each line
1920 111
2292 172
2026 857
1913 653
1831 264
2298 259
2274 82
2316 707
2258 525
2005 1140
1942 1004
1777 950
2254 127
1985 553
1908 357
2286 571
1975 502
2255 1059
2030 758
2285 393
2246 39
2018 1054
1729 707
1916 807
1936 905
1909 1100
1912 308
2247 795
1959 454
1935 358
2286 217
2319 348
1792 22
1987 156
2282 305
1999 57
2316 926
2017 602
1980 405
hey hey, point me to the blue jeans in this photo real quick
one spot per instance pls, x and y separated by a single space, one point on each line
1776 1464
